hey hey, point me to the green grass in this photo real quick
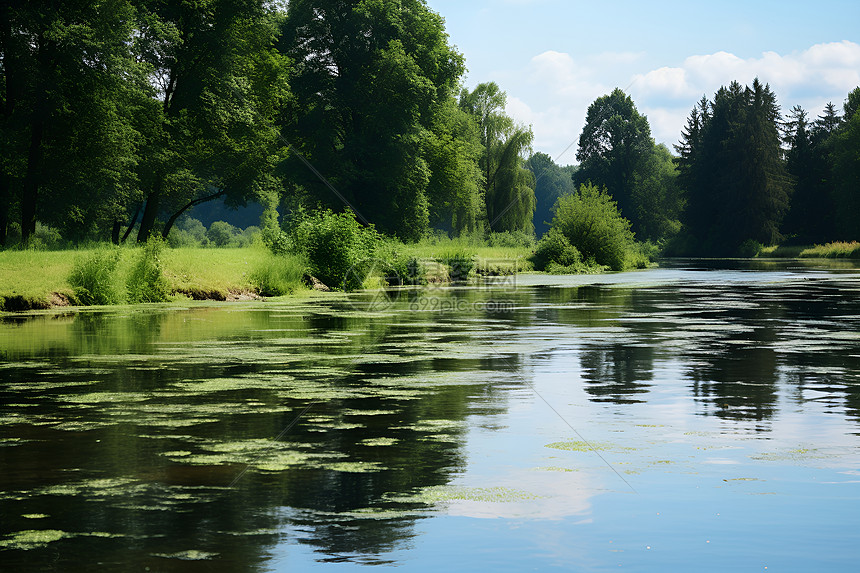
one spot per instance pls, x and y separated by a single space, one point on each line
34 279
835 250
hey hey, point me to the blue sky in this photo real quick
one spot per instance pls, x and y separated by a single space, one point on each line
554 57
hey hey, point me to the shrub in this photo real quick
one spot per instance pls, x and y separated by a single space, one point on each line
459 263
592 223
188 232
222 233
340 252
554 247
277 241
278 275
750 248
94 278
511 239
146 281
398 268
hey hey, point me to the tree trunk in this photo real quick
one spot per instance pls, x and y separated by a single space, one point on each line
5 200
114 233
30 191
179 213
150 212
131 225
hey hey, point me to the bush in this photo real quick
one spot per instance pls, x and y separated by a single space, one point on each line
459 263
222 233
340 252
278 275
554 247
277 241
188 232
511 239
750 248
592 223
146 281
94 279
398 268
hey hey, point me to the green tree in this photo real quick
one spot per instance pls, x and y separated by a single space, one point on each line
551 182
657 196
370 78
456 186
732 170
591 221
845 147
66 124
508 184
613 145
218 81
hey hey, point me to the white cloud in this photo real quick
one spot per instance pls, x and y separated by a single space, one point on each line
555 89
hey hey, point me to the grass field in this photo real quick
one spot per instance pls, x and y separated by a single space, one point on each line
39 279
835 250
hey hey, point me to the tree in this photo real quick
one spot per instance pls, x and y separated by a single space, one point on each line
810 218
852 103
508 185
217 80
370 78
657 197
591 221
732 170
845 148
551 182
67 110
456 187
613 145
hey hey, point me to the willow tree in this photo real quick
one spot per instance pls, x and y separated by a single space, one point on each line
508 183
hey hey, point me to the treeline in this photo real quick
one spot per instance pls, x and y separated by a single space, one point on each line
119 116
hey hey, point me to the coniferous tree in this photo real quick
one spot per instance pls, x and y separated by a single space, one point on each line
732 169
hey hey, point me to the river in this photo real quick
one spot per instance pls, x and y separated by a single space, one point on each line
701 416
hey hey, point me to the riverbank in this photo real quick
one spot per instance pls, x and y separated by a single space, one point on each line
34 280
836 250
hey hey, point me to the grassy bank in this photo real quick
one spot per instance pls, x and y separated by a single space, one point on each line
32 279
40 279
836 250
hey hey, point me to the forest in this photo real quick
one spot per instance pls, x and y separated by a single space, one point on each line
120 116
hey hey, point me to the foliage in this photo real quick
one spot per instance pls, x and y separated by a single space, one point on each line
591 222
94 277
340 251
554 247
845 156
551 182
731 167
369 80
508 185
511 239
613 148
397 266
277 275
459 262
146 281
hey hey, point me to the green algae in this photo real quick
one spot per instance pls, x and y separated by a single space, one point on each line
379 441
34 515
577 446
32 538
450 493
188 555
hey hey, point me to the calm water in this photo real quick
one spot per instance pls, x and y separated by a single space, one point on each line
686 418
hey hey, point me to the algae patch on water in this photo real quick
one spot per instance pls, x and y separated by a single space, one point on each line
577 446
32 538
451 493
188 555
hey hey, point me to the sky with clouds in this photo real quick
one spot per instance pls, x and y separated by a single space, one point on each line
555 57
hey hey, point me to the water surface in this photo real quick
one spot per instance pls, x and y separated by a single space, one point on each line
693 417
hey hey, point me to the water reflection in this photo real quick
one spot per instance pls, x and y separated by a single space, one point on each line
147 436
